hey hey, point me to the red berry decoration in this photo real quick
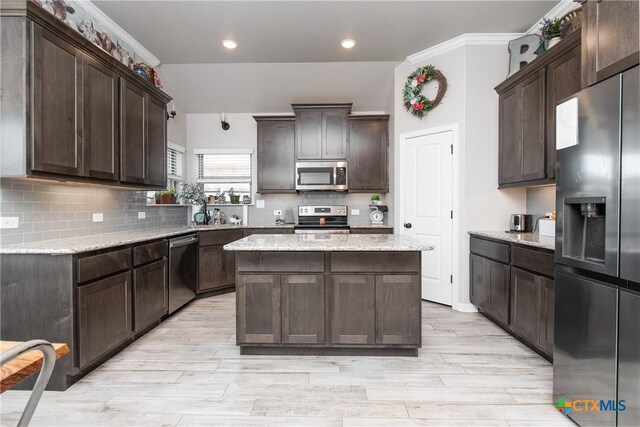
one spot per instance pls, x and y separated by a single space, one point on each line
417 104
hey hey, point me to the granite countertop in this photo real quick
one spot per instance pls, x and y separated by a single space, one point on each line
74 245
328 242
528 239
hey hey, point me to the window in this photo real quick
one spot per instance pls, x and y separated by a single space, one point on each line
222 170
175 165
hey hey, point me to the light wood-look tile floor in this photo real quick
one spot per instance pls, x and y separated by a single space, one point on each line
188 372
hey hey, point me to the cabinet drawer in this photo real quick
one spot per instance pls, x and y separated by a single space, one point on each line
375 262
489 249
538 261
220 237
280 261
149 252
96 266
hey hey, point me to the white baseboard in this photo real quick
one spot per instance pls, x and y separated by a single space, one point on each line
465 307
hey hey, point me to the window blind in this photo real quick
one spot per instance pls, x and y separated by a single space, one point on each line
223 167
174 164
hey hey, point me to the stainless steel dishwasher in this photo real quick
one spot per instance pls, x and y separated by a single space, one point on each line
183 270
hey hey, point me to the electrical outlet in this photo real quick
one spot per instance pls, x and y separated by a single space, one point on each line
142 215
260 204
9 222
98 217
277 212
355 211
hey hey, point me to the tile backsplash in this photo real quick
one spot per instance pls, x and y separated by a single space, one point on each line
541 200
54 210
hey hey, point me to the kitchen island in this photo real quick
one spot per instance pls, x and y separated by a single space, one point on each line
339 294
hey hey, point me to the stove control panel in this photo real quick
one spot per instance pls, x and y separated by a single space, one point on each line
340 210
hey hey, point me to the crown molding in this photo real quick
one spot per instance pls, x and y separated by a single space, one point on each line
140 51
463 40
558 11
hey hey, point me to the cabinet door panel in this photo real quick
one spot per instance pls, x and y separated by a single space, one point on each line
100 130
133 133
497 277
533 153
276 156
479 286
302 308
104 317
395 325
157 143
334 134
368 146
510 135
309 134
525 305
353 319
258 321
563 80
547 302
211 271
57 76
149 293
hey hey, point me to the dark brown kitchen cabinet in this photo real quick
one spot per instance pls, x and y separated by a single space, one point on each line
497 277
57 88
257 322
156 159
527 102
276 154
149 293
563 80
353 312
104 317
610 38
100 120
395 326
216 267
478 286
525 304
547 307
321 131
368 154
302 298
71 111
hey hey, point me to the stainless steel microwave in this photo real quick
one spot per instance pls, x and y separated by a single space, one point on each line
322 176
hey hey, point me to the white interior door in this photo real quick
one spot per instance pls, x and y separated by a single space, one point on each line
427 206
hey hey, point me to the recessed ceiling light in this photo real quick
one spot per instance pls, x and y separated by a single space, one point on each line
348 43
229 44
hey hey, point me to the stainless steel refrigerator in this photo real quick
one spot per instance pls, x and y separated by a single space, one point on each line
597 312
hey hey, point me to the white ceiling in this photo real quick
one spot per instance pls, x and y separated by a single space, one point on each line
190 32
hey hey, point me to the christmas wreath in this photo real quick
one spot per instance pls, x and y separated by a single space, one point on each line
417 104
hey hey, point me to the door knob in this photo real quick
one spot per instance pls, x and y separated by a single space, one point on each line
407 225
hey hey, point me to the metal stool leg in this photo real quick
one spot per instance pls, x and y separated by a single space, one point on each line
48 364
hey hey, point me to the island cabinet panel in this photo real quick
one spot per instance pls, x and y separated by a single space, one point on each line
610 32
259 313
100 120
133 133
149 294
395 326
380 262
371 230
525 304
302 308
276 155
104 317
57 77
353 316
289 262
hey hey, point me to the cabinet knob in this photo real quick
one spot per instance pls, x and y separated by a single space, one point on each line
407 225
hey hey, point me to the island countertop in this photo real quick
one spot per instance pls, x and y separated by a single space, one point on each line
328 243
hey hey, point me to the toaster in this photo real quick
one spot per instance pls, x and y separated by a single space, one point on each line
521 223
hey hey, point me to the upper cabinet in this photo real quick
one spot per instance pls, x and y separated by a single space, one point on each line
276 154
321 131
610 38
70 111
368 154
527 102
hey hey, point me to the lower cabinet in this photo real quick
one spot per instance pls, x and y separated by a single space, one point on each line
489 287
104 317
216 267
395 326
353 315
547 306
525 304
257 322
302 308
149 294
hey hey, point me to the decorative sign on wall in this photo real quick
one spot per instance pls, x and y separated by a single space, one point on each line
522 51
417 104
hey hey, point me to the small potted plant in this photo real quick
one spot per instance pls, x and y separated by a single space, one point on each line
158 196
166 198
552 31
233 197
174 195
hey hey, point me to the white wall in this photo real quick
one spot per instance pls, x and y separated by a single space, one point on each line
470 102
